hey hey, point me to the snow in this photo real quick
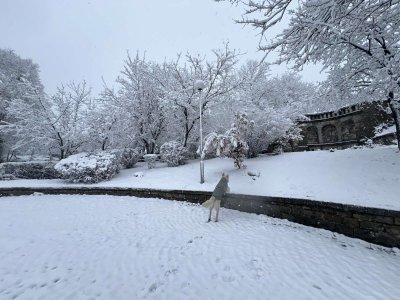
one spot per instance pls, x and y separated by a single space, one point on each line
105 247
366 177
83 160
388 130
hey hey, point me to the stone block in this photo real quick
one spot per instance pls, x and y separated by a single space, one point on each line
328 225
393 230
373 218
385 239
364 234
244 206
350 222
309 213
284 209
344 229
373 226
335 218
231 203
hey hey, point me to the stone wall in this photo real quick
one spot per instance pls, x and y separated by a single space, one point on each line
379 226
343 128
374 225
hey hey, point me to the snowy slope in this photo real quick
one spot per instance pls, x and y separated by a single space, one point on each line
104 247
367 177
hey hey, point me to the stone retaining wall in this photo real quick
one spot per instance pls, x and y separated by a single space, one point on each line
379 226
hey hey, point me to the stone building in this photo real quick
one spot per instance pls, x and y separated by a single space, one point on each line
346 127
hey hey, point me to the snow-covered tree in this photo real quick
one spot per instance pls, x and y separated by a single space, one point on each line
178 82
19 81
274 104
266 127
230 144
70 106
51 124
288 92
102 127
139 102
291 138
358 39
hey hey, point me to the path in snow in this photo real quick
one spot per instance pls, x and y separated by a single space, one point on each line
105 247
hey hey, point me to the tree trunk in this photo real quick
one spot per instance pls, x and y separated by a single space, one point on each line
1 150
395 107
185 140
103 145
149 146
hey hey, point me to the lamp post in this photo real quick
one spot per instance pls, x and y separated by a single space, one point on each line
199 85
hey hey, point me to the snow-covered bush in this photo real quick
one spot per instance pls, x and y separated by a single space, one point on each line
29 170
151 160
230 144
369 143
88 167
290 139
7 177
173 153
129 157
192 149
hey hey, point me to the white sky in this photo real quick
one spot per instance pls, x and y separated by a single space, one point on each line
88 39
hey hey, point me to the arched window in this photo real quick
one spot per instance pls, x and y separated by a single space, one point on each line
329 134
348 130
312 135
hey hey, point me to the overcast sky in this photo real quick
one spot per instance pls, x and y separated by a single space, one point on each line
88 39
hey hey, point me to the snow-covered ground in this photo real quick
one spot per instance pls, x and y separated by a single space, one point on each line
381 132
366 177
105 247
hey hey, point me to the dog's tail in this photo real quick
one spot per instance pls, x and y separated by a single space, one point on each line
209 203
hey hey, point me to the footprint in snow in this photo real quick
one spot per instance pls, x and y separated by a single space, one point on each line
153 287
169 272
316 287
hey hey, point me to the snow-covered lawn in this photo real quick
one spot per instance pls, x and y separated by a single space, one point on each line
105 247
366 177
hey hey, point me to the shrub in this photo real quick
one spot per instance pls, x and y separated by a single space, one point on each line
151 160
88 167
231 144
173 153
7 177
129 157
29 170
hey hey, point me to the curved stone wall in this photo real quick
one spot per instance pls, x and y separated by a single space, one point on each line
343 128
379 226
